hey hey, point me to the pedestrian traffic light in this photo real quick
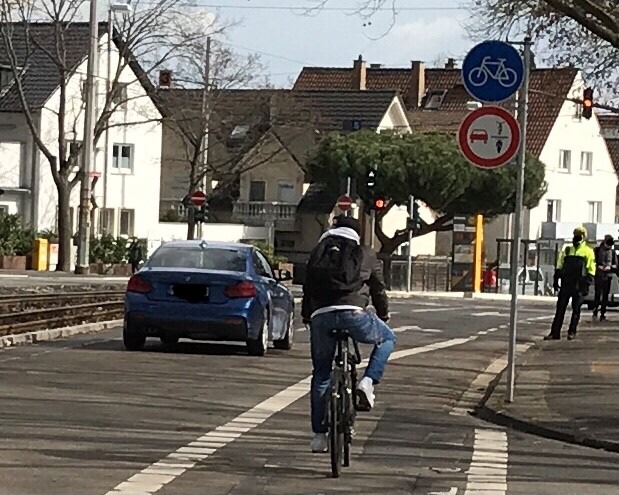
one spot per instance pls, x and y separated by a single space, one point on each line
380 203
414 221
370 180
587 103
201 213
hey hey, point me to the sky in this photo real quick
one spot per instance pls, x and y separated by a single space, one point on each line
289 37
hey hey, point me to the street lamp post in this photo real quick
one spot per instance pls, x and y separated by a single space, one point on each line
83 265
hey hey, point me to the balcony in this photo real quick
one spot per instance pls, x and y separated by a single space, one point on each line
260 213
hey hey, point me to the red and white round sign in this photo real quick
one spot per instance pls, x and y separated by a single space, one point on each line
489 137
344 202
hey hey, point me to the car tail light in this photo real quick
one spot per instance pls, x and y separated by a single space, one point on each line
138 284
242 289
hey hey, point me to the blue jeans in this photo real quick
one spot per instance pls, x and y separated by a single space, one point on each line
364 327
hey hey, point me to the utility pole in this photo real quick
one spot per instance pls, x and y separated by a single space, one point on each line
409 261
205 117
83 258
523 101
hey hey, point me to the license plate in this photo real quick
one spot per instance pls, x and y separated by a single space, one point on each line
189 292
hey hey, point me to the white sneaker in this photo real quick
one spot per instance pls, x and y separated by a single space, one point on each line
319 443
365 394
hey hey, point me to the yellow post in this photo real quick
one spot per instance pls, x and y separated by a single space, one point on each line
39 255
479 251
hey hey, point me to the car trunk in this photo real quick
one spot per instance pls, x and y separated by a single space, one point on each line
187 285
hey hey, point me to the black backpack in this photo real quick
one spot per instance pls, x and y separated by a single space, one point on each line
334 269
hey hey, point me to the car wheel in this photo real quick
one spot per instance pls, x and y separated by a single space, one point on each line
286 343
133 338
259 346
168 339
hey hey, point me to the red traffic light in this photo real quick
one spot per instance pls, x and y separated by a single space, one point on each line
587 103
379 203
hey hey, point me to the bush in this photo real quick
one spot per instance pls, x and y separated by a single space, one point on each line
14 239
268 252
107 249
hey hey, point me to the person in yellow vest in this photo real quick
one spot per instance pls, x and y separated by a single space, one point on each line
576 272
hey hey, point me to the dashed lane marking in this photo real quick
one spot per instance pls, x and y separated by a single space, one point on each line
157 475
487 474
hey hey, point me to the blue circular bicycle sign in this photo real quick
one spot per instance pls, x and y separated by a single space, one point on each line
492 71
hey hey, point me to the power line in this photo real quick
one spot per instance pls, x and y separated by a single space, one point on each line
309 8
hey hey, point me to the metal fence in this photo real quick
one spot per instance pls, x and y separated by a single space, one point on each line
429 274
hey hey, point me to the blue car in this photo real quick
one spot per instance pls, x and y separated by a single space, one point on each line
209 291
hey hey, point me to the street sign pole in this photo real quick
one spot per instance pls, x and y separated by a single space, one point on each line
348 193
409 261
523 100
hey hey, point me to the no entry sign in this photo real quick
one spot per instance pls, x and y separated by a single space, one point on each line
198 198
344 202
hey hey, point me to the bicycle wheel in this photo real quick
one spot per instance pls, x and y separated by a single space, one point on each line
335 428
347 426
508 77
478 77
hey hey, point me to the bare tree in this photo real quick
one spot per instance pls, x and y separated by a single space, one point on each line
42 33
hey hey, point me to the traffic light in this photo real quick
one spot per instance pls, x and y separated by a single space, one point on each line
414 221
587 103
370 181
380 203
201 214
1 192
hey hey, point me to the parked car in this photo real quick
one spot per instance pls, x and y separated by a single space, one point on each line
209 291
527 279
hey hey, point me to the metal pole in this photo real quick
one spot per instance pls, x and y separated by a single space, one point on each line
409 261
205 117
373 227
348 193
82 266
523 98
108 84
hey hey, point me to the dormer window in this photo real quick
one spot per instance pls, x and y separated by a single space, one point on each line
239 131
434 99
6 76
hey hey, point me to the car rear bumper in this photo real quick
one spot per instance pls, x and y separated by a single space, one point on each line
191 321
233 328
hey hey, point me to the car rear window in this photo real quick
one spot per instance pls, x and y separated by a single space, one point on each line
231 260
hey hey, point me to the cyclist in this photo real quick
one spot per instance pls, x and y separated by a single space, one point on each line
341 278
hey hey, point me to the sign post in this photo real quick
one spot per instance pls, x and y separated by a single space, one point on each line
494 71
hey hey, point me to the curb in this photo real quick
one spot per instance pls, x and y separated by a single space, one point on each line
56 333
485 413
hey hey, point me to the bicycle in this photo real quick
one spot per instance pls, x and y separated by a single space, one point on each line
502 74
342 404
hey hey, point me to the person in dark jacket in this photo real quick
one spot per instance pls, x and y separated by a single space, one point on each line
347 312
606 264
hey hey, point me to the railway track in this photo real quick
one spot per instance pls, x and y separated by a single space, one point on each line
45 311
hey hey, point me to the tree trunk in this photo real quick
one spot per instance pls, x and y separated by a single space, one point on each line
191 223
65 240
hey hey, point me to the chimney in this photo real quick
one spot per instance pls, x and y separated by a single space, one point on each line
450 64
359 73
417 88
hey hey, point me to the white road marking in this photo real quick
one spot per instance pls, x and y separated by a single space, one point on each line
487 474
452 491
490 313
152 478
434 310
415 328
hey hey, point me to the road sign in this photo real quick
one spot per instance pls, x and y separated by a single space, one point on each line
344 202
489 137
492 71
198 198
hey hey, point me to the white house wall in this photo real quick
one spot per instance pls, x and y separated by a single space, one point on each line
15 159
136 125
396 220
574 188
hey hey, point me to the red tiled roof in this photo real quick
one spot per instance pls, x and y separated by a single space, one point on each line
610 122
549 87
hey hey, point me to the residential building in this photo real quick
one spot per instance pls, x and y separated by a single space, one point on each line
579 172
610 131
127 165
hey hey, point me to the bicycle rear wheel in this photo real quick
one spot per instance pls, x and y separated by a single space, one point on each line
336 431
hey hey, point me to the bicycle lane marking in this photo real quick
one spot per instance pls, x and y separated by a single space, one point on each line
154 477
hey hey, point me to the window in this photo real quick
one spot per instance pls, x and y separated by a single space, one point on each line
106 221
126 222
262 265
239 131
565 160
75 148
553 210
6 76
122 157
202 256
119 97
4 210
595 212
257 190
586 162
435 99
285 192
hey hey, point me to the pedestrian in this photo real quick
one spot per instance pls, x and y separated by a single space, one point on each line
136 254
341 278
606 264
576 271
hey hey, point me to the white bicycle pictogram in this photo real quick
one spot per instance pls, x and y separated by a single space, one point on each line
496 70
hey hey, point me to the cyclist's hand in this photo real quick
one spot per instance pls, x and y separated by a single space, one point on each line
385 318
306 321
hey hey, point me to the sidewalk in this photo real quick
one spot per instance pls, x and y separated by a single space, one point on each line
565 390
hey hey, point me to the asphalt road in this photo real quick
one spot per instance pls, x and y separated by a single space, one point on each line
83 416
